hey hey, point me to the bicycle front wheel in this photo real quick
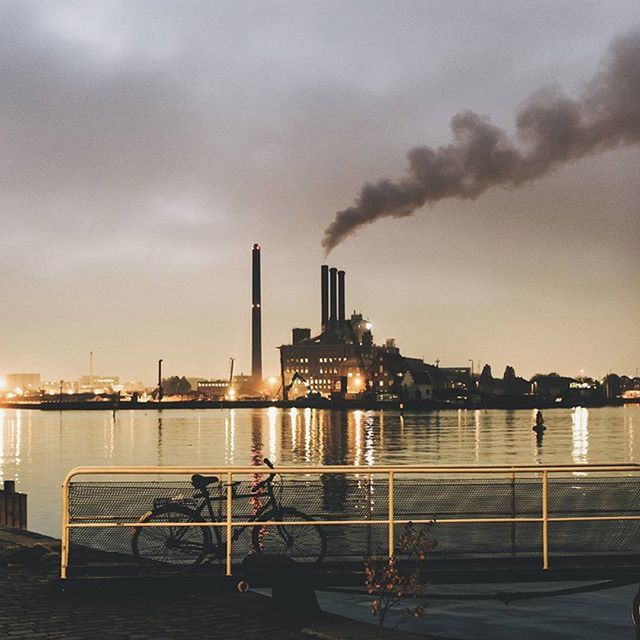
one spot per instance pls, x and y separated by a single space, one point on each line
170 549
298 542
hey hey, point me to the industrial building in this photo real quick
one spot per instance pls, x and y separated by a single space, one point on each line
213 389
343 360
338 359
238 386
23 382
98 384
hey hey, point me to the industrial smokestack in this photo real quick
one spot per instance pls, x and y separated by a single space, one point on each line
256 318
324 284
333 296
341 316
554 130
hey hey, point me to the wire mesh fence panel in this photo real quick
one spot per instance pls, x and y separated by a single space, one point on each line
362 502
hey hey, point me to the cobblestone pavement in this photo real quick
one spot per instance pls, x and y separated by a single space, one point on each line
34 606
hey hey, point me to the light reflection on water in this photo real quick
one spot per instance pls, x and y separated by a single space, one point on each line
38 448
580 434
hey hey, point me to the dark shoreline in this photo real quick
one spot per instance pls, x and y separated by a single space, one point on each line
339 405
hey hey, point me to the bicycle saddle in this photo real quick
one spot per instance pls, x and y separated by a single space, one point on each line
199 481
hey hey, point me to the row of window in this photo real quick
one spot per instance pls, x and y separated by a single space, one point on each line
322 360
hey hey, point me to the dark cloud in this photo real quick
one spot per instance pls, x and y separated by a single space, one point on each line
554 129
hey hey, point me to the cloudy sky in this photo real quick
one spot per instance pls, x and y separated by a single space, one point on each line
147 145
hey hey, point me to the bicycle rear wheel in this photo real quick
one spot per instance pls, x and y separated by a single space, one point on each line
171 550
298 542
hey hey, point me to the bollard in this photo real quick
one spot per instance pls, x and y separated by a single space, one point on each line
13 506
291 593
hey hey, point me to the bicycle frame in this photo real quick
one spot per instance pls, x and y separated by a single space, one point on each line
271 505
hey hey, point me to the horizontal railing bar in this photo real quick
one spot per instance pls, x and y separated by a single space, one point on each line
254 523
466 520
323 523
592 518
93 525
355 470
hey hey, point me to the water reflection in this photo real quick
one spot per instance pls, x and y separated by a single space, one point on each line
369 456
159 439
110 435
580 435
230 437
357 430
334 451
307 441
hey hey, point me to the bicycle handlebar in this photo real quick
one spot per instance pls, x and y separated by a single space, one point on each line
266 481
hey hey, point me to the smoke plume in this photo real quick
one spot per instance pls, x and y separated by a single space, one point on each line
552 130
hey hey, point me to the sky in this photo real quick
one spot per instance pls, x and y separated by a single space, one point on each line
146 146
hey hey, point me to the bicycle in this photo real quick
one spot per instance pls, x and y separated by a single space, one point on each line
176 550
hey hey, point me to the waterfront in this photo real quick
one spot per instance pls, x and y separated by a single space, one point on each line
38 448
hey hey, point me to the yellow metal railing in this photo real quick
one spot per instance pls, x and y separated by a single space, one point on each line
388 472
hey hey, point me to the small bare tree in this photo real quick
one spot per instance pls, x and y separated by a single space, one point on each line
396 579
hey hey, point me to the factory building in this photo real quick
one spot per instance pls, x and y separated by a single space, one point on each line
23 382
342 359
338 359
213 389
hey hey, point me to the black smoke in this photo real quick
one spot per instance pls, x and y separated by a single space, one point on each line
552 130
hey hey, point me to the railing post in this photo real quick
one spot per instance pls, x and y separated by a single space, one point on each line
369 516
545 520
391 549
229 514
64 534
